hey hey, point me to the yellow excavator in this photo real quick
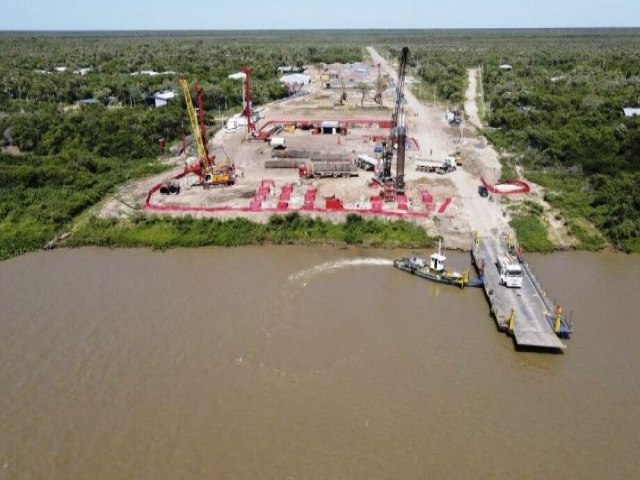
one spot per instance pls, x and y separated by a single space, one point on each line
209 173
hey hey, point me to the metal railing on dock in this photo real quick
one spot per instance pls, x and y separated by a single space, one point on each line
524 312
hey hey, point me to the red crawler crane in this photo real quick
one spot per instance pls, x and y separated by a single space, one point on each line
251 127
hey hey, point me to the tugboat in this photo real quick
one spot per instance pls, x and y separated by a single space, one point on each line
436 271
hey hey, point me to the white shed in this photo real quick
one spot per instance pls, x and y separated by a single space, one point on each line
296 79
631 112
162 98
238 76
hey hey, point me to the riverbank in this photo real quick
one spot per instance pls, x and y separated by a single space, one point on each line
166 232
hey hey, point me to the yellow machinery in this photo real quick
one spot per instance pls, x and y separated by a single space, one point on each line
210 174
512 320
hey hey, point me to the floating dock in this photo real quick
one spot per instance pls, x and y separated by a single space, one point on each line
525 312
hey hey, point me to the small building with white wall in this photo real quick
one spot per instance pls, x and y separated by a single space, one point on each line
296 79
161 99
631 112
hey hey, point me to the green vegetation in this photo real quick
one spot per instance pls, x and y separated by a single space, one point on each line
617 208
70 157
558 112
530 228
532 233
163 233
574 198
39 196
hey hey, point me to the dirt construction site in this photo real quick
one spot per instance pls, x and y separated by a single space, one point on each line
329 122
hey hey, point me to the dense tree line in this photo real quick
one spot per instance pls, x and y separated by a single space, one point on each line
72 157
559 109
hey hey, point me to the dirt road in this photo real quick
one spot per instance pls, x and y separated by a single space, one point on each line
470 104
428 125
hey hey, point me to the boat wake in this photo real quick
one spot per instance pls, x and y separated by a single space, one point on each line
305 276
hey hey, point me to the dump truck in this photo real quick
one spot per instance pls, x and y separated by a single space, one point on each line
439 166
325 169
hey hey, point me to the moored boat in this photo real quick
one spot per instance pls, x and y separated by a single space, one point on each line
436 271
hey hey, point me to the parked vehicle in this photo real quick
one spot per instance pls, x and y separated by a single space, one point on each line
482 191
278 143
170 186
443 166
324 169
510 272
366 162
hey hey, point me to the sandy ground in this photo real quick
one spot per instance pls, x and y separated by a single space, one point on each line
467 214
473 213
471 104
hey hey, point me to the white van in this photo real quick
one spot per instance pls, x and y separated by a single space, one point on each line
510 272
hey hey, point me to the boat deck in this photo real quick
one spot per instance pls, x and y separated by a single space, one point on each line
533 311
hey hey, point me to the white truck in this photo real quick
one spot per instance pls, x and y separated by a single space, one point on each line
510 272
439 166
366 162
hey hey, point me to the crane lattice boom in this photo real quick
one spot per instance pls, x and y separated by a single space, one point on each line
397 113
195 129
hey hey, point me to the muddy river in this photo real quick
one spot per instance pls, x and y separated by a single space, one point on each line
307 363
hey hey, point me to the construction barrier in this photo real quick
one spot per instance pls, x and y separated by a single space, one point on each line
519 187
255 206
315 124
333 204
444 205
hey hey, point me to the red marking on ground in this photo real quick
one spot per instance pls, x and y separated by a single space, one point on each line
256 206
524 187
444 205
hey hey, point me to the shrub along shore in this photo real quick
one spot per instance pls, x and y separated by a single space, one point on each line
163 232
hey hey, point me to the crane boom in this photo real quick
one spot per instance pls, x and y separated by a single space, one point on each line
210 174
251 127
398 111
195 129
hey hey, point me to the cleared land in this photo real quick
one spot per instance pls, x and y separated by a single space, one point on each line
435 139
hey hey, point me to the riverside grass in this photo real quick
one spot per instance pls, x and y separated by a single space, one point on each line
163 233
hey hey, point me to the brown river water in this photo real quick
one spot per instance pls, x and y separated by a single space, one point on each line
307 363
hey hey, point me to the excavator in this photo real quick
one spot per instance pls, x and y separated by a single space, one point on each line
209 173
